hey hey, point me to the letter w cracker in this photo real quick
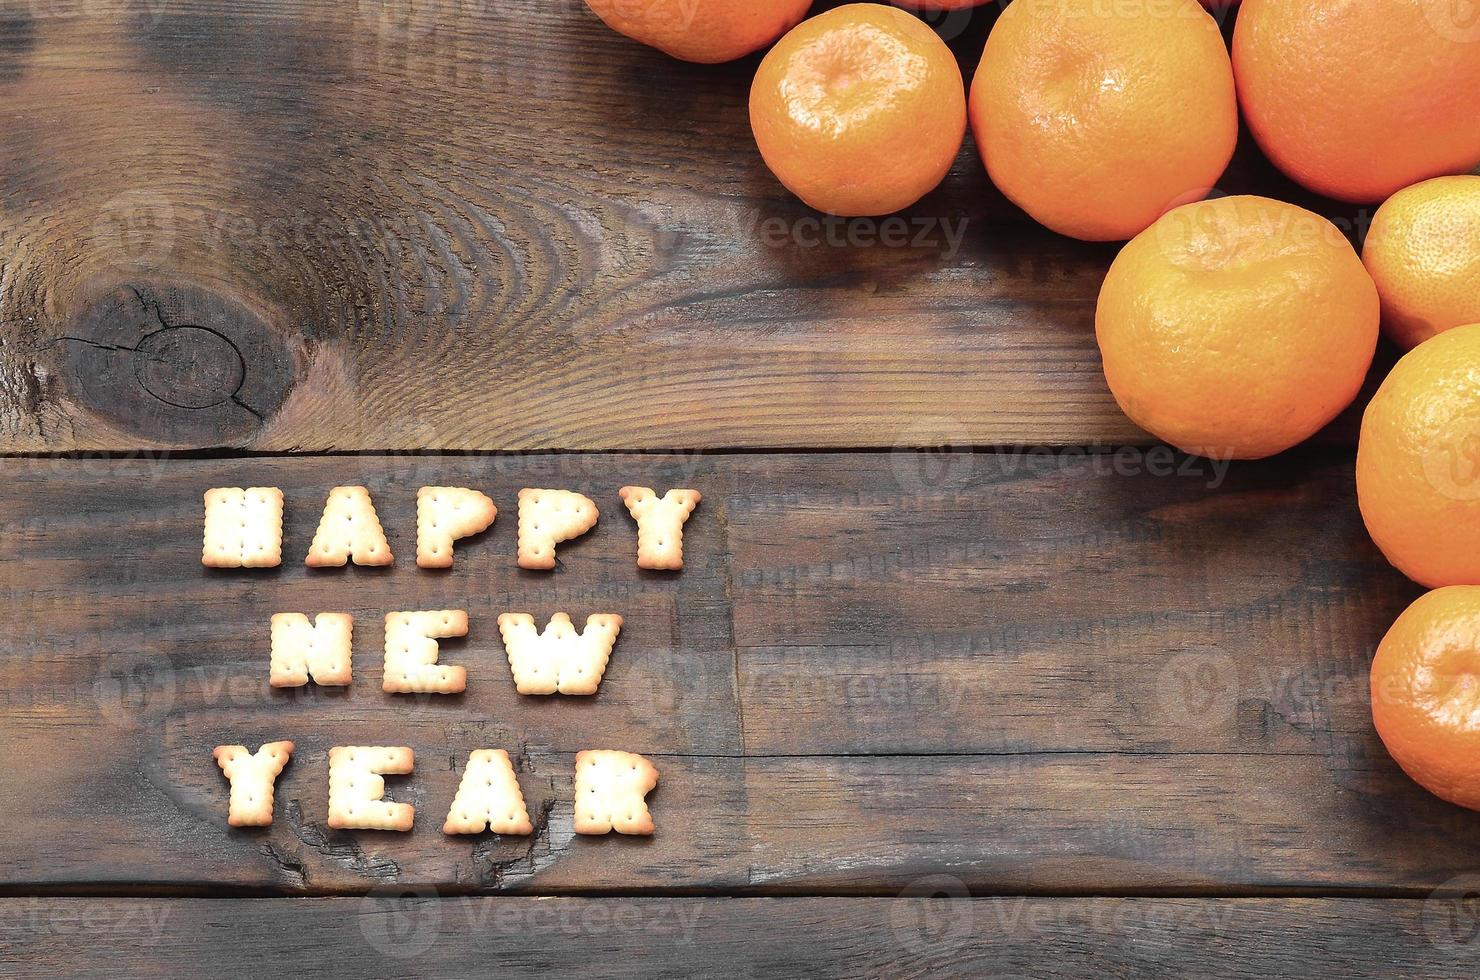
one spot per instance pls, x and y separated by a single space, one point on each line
559 660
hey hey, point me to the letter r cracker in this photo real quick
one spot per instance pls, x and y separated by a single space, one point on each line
252 776
610 788
244 528
356 787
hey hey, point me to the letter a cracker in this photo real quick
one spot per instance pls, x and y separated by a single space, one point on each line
349 531
488 798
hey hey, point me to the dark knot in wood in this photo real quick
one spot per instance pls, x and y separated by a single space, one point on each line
177 364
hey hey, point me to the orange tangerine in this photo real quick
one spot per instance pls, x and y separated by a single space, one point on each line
706 31
859 111
1096 118
1237 327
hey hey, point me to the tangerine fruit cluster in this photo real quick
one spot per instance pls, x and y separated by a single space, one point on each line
1233 327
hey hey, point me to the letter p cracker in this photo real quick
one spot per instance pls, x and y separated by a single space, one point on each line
548 517
445 514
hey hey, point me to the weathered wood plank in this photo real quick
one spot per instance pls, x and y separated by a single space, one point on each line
1054 939
1112 680
1030 601
472 225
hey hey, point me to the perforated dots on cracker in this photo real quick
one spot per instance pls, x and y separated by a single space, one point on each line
488 798
610 790
444 515
349 531
320 650
244 528
411 652
660 522
356 787
252 776
548 517
559 660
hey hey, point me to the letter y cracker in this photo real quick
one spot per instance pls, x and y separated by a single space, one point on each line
411 652
610 787
559 660
445 514
660 522
548 517
301 649
244 528
349 531
356 787
488 798
252 777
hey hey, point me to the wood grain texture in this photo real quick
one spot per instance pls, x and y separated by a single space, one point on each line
909 936
1026 672
469 224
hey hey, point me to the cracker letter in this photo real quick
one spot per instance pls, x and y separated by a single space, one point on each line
301 649
411 652
444 514
559 660
548 517
660 522
244 528
610 787
349 531
488 797
252 777
356 788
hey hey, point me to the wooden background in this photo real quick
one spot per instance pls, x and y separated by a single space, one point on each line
963 675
